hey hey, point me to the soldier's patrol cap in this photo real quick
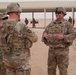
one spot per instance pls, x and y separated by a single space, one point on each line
1 15
13 7
60 9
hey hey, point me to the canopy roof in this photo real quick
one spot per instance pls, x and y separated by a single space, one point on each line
39 6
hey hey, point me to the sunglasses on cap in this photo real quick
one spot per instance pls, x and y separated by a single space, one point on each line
58 12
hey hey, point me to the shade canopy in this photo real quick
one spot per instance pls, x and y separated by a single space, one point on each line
39 6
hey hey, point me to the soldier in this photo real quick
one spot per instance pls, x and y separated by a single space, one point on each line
70 20
2 67
34 22
58 35
26 21
16 41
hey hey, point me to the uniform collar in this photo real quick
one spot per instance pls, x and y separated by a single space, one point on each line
56 22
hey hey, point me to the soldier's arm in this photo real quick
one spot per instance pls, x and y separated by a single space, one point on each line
30 34
44 32
70 36
44 39
27 33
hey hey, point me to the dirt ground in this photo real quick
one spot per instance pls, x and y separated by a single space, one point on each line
39 55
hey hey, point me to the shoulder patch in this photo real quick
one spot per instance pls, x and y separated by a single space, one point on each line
29 31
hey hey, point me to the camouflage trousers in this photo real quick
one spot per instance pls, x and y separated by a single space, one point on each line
2 66
58 57
23 70
18 72
2 69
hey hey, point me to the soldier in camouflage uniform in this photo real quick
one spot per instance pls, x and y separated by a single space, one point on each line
2 67
71 19
16 41
58 35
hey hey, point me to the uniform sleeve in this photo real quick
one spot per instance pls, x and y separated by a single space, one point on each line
70 36
43 38
30 34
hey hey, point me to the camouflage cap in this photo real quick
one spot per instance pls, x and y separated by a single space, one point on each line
1 15
60 9
5 17
13 7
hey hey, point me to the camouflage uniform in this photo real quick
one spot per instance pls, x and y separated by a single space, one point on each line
3 16
58 49
2 67
16 41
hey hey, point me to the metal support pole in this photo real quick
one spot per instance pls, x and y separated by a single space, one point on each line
52 16
32 15
73 15
44 17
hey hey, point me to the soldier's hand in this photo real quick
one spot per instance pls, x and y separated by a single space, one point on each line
47 36
59 36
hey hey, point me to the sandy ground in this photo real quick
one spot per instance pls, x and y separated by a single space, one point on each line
39 55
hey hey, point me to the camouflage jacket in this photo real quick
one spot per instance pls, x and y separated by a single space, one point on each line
16 39
65 28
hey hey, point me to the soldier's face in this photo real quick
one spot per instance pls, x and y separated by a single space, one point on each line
59 15
18 14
